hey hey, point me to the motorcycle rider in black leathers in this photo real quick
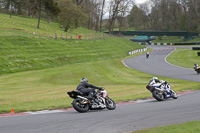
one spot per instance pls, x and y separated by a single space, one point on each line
195 66
84 88
147 55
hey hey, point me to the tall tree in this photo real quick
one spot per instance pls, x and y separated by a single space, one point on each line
51 9
11 7
49 6
114 10
194 11
124 9
69 13
101 14
136 17
92 9
78 3
39 12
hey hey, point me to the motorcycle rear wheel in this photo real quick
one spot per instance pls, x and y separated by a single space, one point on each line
110 104
157 95
81 108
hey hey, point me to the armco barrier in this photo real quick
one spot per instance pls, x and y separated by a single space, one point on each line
190 43
154 33
137 51
195 48
156 43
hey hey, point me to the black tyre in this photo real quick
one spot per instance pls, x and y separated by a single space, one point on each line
81 108
174 95
110 104
198 71
157 95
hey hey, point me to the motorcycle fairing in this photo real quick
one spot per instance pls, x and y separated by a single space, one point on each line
73 94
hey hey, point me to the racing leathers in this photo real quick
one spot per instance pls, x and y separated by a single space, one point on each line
163 84
88 89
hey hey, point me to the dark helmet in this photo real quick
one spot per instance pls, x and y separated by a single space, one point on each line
84 80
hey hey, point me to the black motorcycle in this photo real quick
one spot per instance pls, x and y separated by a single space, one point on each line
82 104
196 68
147 55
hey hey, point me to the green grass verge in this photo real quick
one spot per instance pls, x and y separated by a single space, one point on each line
184 58
47 89
173 39
99 61
28 24
27 27
167 39
36 74
22 54
188 127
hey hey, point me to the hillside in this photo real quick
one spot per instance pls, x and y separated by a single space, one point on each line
21 54
28 24
24 61
36 73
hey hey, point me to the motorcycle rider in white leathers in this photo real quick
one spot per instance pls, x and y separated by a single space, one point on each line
161 83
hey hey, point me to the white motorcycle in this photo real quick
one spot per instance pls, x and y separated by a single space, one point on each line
161 91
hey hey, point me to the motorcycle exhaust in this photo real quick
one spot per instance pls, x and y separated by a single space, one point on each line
85 100
82 97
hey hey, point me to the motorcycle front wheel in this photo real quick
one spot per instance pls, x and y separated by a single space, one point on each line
198 71
79 107
157 95
110 104
174 95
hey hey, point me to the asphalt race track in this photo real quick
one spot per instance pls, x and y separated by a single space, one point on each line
126 117
157 65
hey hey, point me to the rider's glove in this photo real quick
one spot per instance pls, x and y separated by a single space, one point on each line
166 82
101 88
162 81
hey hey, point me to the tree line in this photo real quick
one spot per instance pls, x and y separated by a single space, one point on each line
92 14
166 15
101 15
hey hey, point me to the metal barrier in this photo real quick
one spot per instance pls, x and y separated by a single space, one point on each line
155 33
137 51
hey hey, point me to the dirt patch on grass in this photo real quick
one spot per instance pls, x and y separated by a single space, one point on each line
14 29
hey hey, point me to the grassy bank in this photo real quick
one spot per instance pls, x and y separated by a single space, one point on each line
22 54
188 127
36 74
174 39
47 89
29 24
184 58
48 74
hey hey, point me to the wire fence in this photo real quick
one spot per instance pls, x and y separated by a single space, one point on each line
55 36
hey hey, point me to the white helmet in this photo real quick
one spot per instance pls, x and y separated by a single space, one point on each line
155 78
84 80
